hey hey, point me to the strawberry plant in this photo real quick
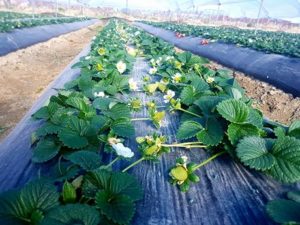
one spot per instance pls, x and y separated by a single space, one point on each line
91 117
268 41
9 25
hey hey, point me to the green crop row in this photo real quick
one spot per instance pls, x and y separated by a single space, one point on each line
266 41
6 26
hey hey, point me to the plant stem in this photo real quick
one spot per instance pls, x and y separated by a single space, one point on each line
209 159
112 162
140 119
182 144
186 111
133 164
58 164
194 146
185 143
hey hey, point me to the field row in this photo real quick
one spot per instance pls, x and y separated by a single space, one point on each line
11 21
266 41
87 143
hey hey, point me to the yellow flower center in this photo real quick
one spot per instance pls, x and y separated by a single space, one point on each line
99 67
101 51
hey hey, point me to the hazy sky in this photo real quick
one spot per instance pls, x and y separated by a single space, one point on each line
248 8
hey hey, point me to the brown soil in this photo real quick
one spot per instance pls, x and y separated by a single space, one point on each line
24 74
274 103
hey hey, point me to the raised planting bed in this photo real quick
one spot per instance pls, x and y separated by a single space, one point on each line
22 38
113 140
8 15
9 25
267 41
281 71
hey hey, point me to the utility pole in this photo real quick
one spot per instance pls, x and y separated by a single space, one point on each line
218 12
69 4
33 7
56 9
258 15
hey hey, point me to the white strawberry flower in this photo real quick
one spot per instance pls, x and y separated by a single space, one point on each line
136 33
87 57
177 78
210 80
168 58
152 61
170 94
153 70
113 140
184 158
121 67
99 94
131 51
123 151
94 38
132 84
158 61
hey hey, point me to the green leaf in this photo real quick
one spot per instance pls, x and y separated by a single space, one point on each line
118 208
85 83
287 153
102 103
68 193
45 150
233 110
294 129
79 103
279 132
123 127
35 197
199 84
112 90
72 214
294 195
63 171
184 57
72 139
236 132
188 129
85 159
115 183
95 180
119 110
42 113
255 153
255 118
39 195
125 184
212 134
235 93
48 128
284 211
187 95
98 121
208 103
47 111
71 84
73 134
